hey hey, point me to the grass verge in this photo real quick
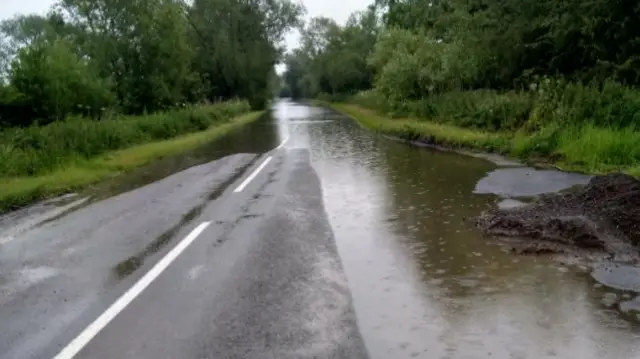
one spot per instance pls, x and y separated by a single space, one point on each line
18 191
586 149
428 132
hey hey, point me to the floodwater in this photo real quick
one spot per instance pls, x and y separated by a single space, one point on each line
256 137
425 283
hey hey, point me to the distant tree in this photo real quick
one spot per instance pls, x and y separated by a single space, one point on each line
332 58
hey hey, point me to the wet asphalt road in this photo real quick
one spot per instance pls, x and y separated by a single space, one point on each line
271 241
263 280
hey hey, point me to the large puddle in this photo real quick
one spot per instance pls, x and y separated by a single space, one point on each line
425 283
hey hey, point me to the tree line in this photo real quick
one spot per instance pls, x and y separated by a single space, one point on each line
413 49
92 57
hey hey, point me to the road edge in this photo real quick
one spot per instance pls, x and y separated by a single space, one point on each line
24 191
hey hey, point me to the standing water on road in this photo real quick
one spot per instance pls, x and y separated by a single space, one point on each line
425 283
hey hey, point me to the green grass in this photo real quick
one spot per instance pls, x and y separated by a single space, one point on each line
588 148
39 150
600 150
430 132
17 191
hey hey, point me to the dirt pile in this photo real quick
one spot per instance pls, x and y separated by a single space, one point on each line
601 215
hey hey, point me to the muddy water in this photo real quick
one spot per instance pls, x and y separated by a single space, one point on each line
425 283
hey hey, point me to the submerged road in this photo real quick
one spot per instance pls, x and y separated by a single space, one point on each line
230 259
301 236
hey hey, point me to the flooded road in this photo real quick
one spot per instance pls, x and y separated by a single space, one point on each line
425 283
314 238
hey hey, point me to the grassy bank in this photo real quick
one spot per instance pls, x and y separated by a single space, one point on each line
588 148
38 150
76 169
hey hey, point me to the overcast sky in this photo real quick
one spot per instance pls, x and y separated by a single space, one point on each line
339 10
12 7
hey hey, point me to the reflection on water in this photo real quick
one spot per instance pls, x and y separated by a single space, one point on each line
425 284
257 137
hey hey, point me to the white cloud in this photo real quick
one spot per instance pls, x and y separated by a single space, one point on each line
339 10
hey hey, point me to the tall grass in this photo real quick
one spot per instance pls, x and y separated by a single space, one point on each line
599 149
607 105
38 150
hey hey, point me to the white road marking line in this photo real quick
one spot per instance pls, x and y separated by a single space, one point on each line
253 175
103 320
283 142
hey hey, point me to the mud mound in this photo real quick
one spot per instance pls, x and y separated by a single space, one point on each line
601 215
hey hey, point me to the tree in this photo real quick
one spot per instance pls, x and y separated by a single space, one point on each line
237 44
331 58
140 56
55 82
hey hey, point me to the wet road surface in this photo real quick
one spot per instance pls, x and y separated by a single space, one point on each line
301 236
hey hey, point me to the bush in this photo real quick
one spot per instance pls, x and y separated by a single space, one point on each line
372 99
411 66
40 149
55 82
482 109
550 103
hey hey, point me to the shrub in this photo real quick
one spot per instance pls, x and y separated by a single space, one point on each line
482 109
607 105
55 82
372 99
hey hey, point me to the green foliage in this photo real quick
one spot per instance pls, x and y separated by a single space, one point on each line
482 109
427 48
55 82
138 57
234 45
597 147
332 58
551 103
372 99
509 41
37 150
411 66
569 104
